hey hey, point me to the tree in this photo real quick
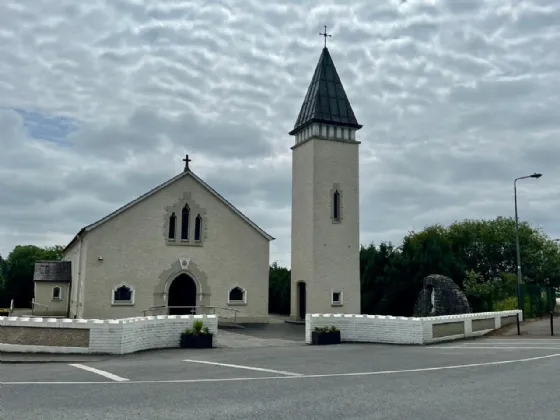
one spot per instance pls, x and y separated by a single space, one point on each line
382 272
53 252
479 255
19 269
431 251
2 275
488 248
279 290
391 278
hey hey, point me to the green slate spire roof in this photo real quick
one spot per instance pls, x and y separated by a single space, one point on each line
326 101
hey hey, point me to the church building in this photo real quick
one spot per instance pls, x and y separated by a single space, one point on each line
181 248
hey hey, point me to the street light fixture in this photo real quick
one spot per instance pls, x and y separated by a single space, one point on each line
518 250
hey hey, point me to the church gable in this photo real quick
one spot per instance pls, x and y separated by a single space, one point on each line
185 221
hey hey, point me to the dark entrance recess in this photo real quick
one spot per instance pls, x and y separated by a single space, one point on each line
302 300
182 292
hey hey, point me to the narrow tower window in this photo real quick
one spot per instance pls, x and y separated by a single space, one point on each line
336 205
185 222
197 228
172 222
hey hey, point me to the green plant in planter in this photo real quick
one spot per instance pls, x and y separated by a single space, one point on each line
198 336
326 330
197 329
325 335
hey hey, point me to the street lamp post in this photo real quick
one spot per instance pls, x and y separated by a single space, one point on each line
517 247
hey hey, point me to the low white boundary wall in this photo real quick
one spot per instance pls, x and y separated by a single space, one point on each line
115 336
403 330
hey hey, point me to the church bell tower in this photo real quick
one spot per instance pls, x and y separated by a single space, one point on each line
325 262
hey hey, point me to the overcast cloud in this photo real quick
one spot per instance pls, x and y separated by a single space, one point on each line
99 102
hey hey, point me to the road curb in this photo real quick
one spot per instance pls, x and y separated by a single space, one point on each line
36 362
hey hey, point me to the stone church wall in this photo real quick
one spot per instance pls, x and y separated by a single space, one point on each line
116 336
403 330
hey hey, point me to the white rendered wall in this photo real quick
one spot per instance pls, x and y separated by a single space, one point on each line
114 336
400 330
325 255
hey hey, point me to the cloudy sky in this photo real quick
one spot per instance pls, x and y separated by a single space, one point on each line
100 100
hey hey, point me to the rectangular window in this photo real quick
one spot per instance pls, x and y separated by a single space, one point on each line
56 293
336 206
336 298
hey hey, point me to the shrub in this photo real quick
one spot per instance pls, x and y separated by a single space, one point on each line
507 304
197 329
327 329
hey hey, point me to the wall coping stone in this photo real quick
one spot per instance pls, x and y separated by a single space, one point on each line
40 322
401 330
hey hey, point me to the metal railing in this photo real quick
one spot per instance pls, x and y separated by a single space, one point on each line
195 310
34 304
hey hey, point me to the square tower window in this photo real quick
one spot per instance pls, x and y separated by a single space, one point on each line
336 298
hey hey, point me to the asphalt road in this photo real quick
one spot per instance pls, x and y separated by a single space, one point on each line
483 379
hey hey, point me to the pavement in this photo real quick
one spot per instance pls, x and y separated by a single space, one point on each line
486 378
534 328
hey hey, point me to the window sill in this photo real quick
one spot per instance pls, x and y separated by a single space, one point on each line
56 299
236 303
122 304
183 242
337 304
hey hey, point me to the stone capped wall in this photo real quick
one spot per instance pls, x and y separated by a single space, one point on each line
416 330
114 336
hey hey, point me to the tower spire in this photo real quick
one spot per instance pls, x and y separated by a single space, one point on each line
326 101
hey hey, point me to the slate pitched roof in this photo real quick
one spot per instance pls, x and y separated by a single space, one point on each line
58 271
326 100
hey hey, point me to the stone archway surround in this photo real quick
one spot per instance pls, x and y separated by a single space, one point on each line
182 266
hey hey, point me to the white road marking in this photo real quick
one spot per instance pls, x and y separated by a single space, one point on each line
99 372
281 372
328 375
496 347
528 341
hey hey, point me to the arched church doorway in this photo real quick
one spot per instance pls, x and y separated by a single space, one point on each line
182 292
301 300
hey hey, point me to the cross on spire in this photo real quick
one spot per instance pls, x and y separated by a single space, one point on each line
325 34
187 160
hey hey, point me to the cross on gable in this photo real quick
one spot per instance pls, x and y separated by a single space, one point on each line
187 160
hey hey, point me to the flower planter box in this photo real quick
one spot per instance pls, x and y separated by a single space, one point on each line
196 341
322 338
